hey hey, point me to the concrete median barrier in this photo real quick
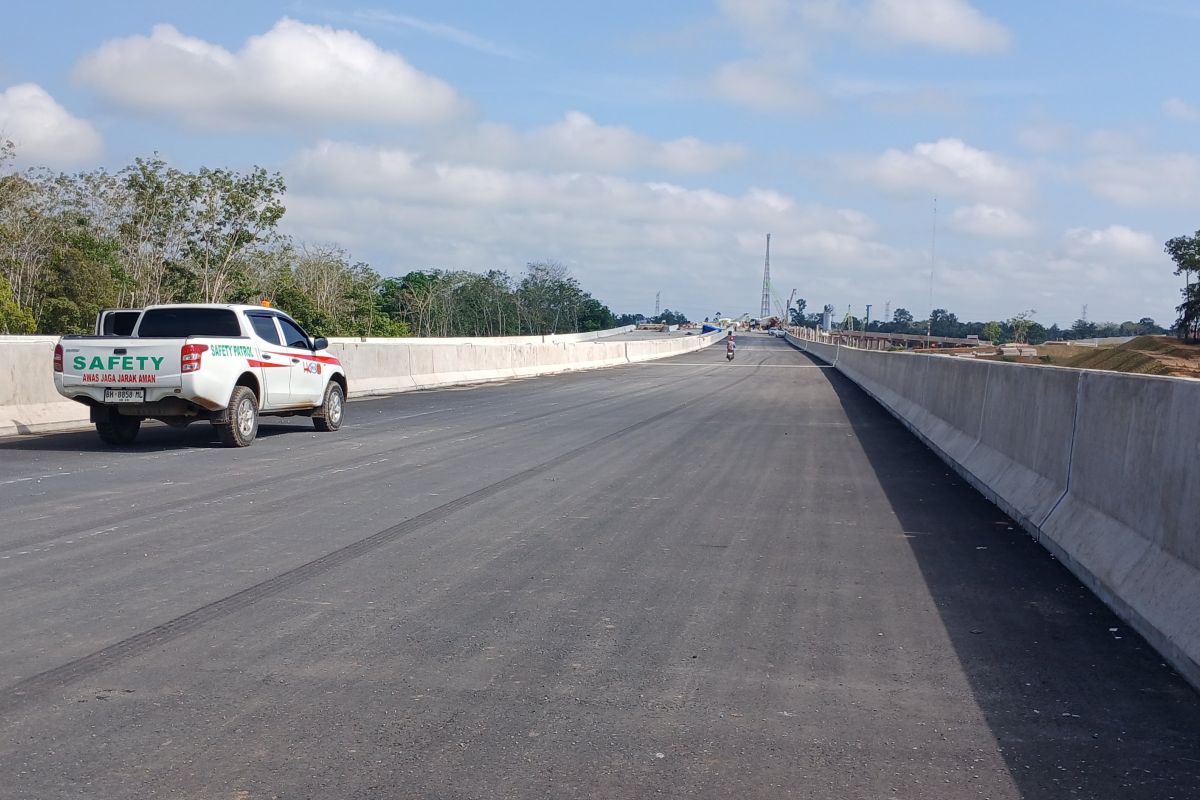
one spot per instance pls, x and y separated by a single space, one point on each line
397 365
1130 519
1100 467
29 403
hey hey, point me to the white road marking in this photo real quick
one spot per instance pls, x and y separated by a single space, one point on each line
34 478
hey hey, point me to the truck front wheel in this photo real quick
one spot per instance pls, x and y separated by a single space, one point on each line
116 429
239 424
329 416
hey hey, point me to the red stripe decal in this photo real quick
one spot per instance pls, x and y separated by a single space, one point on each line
256 363
305 357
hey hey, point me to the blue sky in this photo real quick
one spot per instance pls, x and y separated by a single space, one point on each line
651 146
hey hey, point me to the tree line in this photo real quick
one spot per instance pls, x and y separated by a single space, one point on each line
1183 250
72 244
1019 328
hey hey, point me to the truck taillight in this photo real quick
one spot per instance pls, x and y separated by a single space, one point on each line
189 357
58 358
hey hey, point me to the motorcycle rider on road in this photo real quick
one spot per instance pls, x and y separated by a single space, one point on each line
730 347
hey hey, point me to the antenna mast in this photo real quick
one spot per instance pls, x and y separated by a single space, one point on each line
932 267
766 293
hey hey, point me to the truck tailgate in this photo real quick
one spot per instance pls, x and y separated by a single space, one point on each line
122 362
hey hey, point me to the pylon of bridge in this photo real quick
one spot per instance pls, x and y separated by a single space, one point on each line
766 294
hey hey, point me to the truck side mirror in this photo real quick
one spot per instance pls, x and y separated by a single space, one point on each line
320 343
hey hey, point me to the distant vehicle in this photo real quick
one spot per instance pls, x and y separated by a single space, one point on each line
227 364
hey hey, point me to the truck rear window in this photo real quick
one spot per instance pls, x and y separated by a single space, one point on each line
177 323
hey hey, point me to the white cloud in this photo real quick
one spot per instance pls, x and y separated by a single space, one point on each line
768 85
756 18
624 237
1118 271
45 133
942 24
293 73
1116 242
778 35
990 221
947 166
1045 137
946 24
895 97
1171 180
578 142
1116 142
1177 108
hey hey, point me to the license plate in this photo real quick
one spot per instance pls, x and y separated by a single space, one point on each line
124 395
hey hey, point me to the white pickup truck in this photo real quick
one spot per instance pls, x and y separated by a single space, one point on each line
227 364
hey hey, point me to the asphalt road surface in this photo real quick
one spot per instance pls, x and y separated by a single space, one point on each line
685 578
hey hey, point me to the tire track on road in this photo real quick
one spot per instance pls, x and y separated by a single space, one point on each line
17 695
174 506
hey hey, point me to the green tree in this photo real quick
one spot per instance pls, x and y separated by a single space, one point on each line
83 276
1083 329
1188 325
669 317
549 298
993 332
944 323
230 213
1185 252
13 318
1037 333
595 316
1020 324
153 231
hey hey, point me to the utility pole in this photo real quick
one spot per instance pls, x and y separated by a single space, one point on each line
657 304
867 320
932 266
766 292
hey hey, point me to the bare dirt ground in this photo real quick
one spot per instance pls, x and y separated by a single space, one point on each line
1147 355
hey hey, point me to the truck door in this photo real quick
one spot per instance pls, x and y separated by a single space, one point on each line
308 380
276 367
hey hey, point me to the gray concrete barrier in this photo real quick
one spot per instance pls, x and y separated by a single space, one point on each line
28 400
29 403
1100 467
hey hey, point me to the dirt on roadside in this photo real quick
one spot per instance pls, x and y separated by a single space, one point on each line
1146 355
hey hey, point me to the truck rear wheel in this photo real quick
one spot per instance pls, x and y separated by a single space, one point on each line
329 416
239 424
116 429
